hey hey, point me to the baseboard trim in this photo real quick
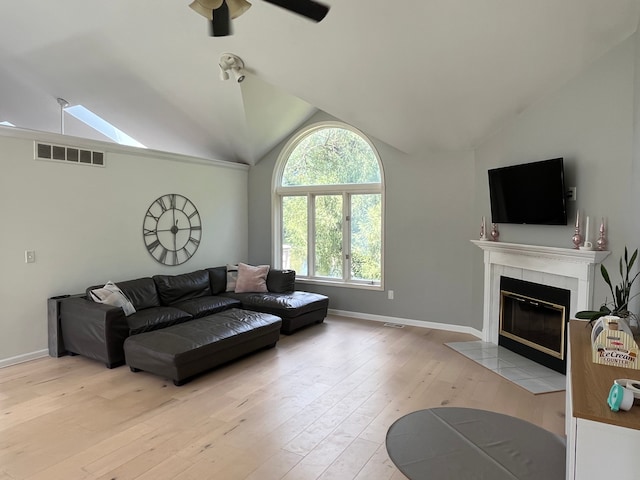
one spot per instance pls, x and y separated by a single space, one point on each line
7 362
408 322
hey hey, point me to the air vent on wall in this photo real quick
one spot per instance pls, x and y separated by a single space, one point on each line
63 153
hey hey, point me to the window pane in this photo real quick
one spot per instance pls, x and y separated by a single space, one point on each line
331 156
294 234
328 226
366 237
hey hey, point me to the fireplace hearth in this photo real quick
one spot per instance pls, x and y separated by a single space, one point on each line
533 321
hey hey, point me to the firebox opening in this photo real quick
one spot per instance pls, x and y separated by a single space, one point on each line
533 321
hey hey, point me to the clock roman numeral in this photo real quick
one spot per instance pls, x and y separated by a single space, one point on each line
153 245
148 232
163 205
195 241
149 214
163 255
172 200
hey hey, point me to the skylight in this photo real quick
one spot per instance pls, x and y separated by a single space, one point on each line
101 125
7 124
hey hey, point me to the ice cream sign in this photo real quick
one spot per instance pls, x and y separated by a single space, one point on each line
613 344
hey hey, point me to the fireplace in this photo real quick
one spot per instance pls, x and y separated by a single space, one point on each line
533 321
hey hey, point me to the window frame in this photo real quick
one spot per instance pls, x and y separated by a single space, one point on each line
311 191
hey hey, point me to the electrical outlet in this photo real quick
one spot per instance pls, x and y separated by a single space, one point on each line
390 294
29 256
572 194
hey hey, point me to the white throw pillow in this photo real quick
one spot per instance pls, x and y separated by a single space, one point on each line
232 277
110 294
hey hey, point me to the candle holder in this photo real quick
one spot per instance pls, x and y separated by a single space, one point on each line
494 233
602 239
483 232
577 238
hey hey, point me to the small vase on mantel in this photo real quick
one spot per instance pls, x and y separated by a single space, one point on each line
602 238
494 233
577 238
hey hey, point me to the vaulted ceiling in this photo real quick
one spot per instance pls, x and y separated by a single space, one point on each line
417 74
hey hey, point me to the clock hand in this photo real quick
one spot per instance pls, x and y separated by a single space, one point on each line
175 229
172 229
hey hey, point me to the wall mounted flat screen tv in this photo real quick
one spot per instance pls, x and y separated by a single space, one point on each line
530 193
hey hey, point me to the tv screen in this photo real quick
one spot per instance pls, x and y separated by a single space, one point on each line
530 193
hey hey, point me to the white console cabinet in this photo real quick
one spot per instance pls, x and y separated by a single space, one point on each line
600 443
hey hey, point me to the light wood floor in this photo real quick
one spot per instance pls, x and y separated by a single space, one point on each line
318 406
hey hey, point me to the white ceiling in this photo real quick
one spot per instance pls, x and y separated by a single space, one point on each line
417 74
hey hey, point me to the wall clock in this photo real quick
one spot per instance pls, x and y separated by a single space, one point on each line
172 229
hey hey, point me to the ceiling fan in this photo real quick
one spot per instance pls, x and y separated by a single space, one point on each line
221 12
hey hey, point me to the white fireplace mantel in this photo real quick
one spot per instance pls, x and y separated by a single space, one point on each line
567 268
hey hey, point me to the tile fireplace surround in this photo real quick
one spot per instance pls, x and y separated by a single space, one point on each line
566 268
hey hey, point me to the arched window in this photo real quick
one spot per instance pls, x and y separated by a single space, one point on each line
329 207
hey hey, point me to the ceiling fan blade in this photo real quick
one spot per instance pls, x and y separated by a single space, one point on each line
307 8
221 23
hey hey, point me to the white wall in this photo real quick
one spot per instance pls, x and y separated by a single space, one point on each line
85 225
589 122
428 255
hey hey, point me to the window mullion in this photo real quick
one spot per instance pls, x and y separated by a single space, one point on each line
346 235
311 229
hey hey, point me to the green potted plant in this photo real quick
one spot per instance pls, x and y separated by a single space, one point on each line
620 292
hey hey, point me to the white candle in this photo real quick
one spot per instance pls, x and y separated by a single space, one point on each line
586 230
577 218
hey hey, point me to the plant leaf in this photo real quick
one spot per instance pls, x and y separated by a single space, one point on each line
619 298
605 275
632 261
589 315
620 263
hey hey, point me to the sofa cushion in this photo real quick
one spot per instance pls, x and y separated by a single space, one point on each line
201 307
217 279
154 318
177 288
280 281
141 292
251 279
290 304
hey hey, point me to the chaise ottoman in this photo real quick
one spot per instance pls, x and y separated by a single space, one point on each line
297 309
181 351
